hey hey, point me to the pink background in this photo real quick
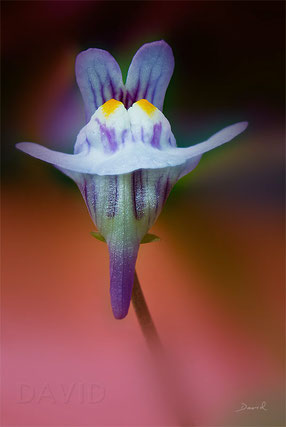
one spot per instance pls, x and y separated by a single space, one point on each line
214 283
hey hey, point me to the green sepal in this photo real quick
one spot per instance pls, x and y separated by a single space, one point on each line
148 238
98 236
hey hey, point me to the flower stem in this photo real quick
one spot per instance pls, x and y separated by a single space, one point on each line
144 317
164 368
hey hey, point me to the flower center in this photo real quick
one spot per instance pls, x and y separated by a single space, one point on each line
146 106
110 106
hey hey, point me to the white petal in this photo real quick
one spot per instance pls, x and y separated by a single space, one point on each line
219 138
193 154
73 162
131 157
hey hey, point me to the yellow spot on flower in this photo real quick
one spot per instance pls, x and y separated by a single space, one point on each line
146 106
110 106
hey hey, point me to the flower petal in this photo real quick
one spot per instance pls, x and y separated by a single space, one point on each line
123 208
109 200
74 162
149 73
192 154
131 157
99 78
128 159
150 126
108 129
122 260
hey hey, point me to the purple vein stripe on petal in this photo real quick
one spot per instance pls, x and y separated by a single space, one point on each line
99 78
108 137
138 193
166 190
121 96
157 130
122 258
87 188
149 73
123 135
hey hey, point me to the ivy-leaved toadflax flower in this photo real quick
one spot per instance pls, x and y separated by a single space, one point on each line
125 159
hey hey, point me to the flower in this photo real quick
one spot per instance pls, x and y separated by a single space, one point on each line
125 159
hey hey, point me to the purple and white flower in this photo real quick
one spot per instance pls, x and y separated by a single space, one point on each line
125 159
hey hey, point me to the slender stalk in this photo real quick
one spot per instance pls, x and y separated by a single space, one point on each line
164 368
144 317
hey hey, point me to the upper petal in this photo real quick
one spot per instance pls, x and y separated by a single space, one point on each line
99 78
149 73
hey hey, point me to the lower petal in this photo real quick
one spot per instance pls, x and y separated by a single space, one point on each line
122 260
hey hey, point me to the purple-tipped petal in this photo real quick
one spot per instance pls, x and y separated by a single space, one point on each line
122 260
99 78
149 74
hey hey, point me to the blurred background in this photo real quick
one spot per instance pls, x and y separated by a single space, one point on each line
214 283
